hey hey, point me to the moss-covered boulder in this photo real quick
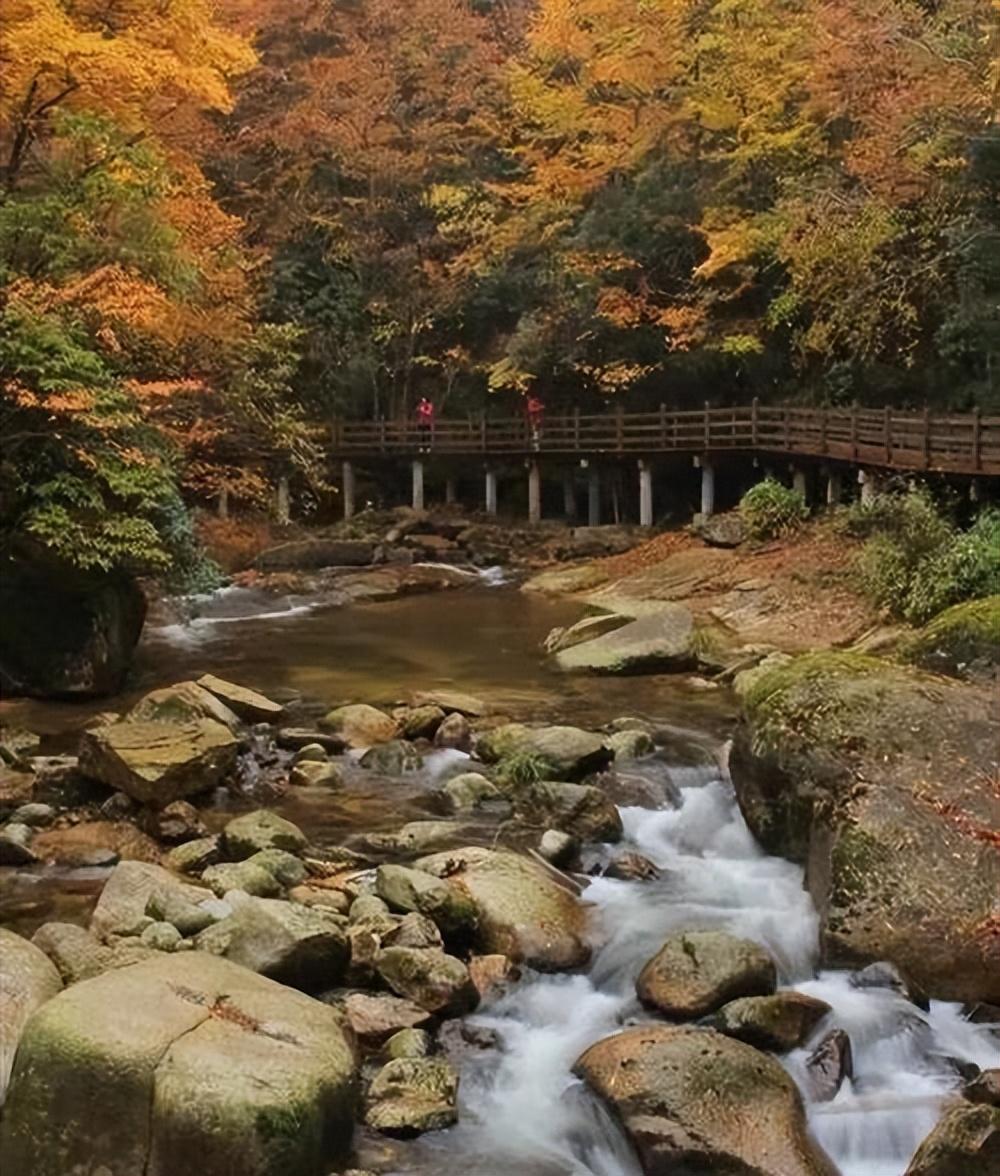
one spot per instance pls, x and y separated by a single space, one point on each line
28 979
410 1095
582 810
695 972
184 702
963 640
692 1100
429 977
566 753
965 1142
779 1022
184 1063
248 834
878 778
405 889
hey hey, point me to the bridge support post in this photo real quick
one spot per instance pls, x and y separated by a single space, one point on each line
450 495
347 471
833 487
418 485
282 502
569 496
707 486
869 485
800 482
222 506
491 490
593 496
645 494
534 492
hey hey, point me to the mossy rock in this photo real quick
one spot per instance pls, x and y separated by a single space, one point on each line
964 641
965 1142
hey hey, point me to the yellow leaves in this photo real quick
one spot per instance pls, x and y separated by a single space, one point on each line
620 307
729 246
685 326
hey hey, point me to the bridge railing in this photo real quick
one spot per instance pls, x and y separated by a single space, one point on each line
966 443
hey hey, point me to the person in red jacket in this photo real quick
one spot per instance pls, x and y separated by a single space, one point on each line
536 414
425 423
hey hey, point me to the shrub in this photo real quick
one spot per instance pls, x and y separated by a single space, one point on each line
521 768
770 509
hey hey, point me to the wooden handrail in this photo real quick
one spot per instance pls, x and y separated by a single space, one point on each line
953 443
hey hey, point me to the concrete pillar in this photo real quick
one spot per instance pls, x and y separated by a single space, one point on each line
975 492
569 496
593 496
534 493
833 487
223 503
707 486
348 476
869 485
450 495
283 501
418 485
645 494
800 482
491 491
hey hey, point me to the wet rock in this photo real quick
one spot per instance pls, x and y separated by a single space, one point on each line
360 725
409 1096
437 982
631 744
193 856
316 773
780 1022
406 889
252 832
632 867
581 810
420 722
210 1068
377 1016
156 763
285 867
885 975
184 702
409 1043
569 752
161 937
27 980
250 706
984 1088
965 1142
453 702
393 758
122 906
454 732
15 845
177 823
295 738
696 972
468 791
829 1064
492 974
692 1100
523 910
664 640
559 848
247 876
303 947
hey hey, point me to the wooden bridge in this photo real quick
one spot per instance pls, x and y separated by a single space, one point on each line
872 440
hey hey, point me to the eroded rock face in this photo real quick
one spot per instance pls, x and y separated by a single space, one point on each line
965 1142
184 1063
523 912
696 972
156 763
872 774
27 980
692 1100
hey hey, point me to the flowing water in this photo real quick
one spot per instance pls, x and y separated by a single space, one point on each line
522 1111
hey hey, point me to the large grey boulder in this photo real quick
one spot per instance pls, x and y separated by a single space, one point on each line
569 752
695 972
27 980
303 947
692 1100
184 1063
523 910
664 640
155 762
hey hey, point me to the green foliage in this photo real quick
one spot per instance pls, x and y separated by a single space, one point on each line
521 768
770 509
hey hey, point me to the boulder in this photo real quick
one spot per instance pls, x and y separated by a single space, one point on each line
16 788
360 725
248 834
377 1016
420 722
665 640
692 1100
411 1095
413 930
193 856
964 640
79 955
248 704
722 530
696 972
453 702
303 947
984 1088
156 763
568 752
177 823
631 744
828 1065
285 867
492 974
883 974
27 980
965 1142
83 844
316 774
161 937
430 978
454 732
780 1022
122 906
295 738
523 909
405 889
307 554
469 790
409 1043
393 758
581 810
183 1063
184 702
559 848
562 581
66 633
871 774
16 845
586 629
252 879
632 867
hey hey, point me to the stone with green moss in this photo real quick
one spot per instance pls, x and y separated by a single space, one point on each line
963 640
409 1096
965 1142
780 1022
695 972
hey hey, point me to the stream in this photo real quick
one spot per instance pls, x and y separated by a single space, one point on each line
522 1112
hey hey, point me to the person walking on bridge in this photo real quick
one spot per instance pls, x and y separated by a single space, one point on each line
536 414
425 423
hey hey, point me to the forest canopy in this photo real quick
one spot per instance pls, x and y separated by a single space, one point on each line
222 224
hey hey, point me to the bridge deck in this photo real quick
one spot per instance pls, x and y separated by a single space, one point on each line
963 444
